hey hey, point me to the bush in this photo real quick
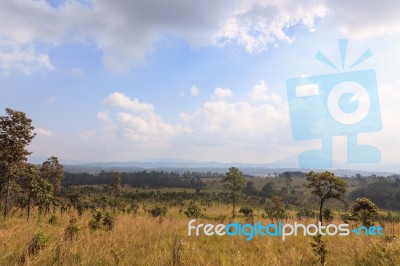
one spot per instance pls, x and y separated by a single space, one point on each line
193 211
71 232
327 214
95 222
37 243
158 211
134 207
108 221
101 221
247 211
53 219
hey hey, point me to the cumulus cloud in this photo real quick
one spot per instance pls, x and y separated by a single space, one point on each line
121 100
256 24
127 30
24 59
221 93
143 126
43 132
217 126
194 91
260 93
237 120
103 116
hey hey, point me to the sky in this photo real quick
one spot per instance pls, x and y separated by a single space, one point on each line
181 79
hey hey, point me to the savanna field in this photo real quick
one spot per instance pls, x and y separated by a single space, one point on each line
140 239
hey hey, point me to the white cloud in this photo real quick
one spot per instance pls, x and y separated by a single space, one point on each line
121 100
103 116
221 93
125 31
194 91
255 24
23 59
237 120
259 92
43 132
86 134
144 126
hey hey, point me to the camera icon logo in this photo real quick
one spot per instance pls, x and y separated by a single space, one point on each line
344 103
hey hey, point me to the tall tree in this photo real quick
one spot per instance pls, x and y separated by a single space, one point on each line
30 185
234 181
53 171
116 186
16 132
325 186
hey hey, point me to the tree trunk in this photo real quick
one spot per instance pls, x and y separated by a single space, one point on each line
233 204
320 211
29 208
7 197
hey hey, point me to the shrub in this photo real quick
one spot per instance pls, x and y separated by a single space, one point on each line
327 214
108 221
193 211
134 207
247 211
95 222
53 219
158 211
71 232
37 243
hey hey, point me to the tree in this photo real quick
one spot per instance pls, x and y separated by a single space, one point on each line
30 184
234 181
250 189
268 190
277 210
53 171
116 186
365 211
288 181
325 186
44 194
16 132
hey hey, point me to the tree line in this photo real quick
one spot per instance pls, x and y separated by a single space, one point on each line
141 179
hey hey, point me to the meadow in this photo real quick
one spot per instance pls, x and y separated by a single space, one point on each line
140 239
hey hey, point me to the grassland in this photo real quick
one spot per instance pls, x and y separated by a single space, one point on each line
142 240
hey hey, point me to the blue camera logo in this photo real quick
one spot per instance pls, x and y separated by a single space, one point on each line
344 103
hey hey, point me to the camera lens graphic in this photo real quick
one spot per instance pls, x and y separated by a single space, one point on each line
348 103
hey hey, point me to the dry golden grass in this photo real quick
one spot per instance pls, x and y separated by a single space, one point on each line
142 240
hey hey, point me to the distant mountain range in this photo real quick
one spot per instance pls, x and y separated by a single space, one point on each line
259 169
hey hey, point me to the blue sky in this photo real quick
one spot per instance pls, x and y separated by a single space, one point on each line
127 80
